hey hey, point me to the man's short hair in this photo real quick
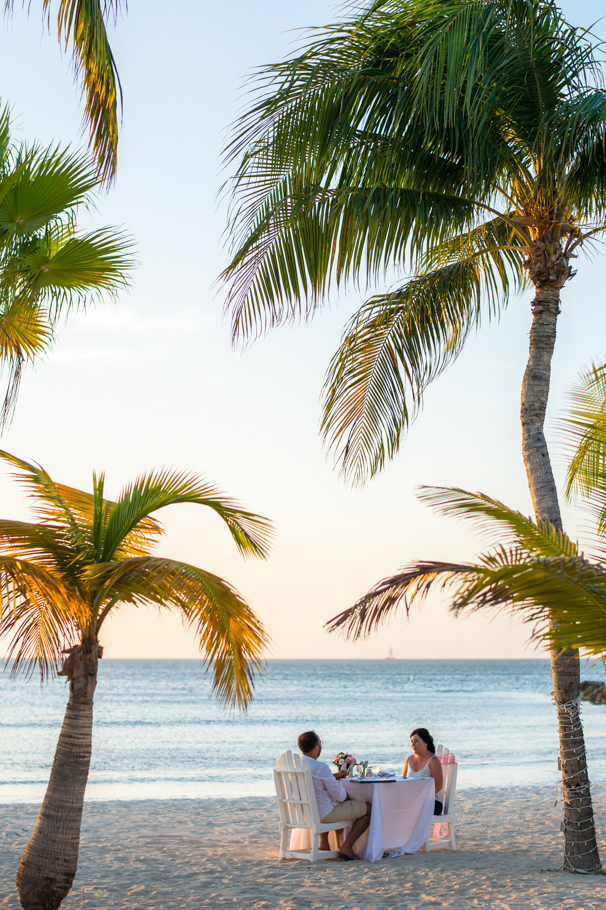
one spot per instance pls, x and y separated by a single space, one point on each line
308 741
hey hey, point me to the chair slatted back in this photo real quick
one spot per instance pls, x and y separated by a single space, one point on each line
295 792
449 771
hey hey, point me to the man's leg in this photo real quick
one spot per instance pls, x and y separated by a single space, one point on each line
358 828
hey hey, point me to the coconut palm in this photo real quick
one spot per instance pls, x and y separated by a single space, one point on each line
81 26
62 576
535 571
460 143
47 267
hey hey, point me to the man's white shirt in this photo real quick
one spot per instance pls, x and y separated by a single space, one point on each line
329 791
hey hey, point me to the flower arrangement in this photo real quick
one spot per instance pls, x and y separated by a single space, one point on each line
344 759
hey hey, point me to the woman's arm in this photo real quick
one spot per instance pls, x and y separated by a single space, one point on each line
436 772
405 768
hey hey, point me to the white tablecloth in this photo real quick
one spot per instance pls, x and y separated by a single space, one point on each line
401 816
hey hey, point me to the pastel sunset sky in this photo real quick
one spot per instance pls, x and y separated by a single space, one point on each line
152 379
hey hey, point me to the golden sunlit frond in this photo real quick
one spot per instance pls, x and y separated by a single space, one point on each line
66 551
39 614
229 634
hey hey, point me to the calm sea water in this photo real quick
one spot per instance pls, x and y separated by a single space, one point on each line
159 734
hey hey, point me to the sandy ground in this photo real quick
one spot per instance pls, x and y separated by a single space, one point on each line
186 854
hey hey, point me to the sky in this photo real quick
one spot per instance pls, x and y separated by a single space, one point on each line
152 380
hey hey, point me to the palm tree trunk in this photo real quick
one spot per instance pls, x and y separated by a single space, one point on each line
580 847
49 862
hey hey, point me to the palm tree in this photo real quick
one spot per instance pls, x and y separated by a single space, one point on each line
537 572
460 142
60 579
47 267
81 25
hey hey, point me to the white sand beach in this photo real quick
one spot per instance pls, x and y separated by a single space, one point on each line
181 854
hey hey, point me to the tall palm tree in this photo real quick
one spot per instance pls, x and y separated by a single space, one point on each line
460 142
535 571
47 267
60 579
81 26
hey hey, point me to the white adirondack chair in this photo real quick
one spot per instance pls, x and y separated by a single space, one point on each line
441 835
299 809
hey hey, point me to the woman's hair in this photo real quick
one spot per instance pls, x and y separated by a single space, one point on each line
308 741
426 736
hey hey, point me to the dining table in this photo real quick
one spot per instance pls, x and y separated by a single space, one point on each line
401 816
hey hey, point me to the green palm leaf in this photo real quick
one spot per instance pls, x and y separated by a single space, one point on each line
585 432
493 517
392 349
48 267
535 572
50 182
252 533
77 269
229 634
81 25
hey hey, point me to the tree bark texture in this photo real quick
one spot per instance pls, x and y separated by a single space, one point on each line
580 847
49 862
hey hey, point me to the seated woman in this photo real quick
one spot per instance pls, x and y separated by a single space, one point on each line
424 763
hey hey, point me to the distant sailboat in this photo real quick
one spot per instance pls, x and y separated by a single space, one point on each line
390 656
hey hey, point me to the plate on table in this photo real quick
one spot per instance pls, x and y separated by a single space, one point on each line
379 780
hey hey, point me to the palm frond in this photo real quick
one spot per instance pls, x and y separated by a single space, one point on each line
309 237
578 128
5 132
56 580
252 533
81 23
39 615
563 597
377 606
498 244
584 430
50 182
70 273
25 334
494 517
52 505
25 330
391 350
229 634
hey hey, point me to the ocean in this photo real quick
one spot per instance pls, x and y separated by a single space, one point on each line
158 733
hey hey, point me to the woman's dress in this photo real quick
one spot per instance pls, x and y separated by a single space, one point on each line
426 773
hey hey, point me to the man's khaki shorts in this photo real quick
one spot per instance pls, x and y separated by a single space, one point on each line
346 811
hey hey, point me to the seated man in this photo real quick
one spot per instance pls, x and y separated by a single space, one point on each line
334 804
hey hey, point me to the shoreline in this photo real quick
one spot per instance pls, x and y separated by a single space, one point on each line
472 792
185 854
